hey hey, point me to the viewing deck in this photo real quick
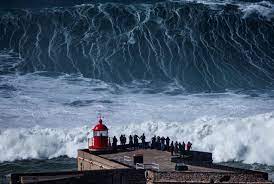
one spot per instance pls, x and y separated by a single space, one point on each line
155 159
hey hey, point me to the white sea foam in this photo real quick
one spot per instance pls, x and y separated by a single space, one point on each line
22 143
247 139
263 8
45 117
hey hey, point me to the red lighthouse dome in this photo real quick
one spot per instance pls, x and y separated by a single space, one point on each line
99 140
100 126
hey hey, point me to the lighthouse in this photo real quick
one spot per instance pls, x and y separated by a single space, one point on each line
99 141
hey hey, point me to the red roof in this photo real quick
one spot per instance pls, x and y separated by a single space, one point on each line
100 126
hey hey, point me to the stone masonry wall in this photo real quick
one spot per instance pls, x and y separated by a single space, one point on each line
87 161
205 177
111 176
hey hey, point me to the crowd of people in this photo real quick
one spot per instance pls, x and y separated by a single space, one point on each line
163 143
157 142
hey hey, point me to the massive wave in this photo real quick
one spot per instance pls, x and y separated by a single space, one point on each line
200 46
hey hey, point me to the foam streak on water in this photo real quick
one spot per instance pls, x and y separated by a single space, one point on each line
204 45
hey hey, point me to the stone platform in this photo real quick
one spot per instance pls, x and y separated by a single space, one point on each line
157 168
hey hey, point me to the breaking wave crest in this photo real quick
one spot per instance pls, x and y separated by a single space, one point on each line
264 8
231 139
42 143
199 45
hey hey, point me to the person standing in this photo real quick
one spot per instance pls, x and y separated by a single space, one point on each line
163 143
153 142
114 143
143 139
136 142
158 143
189 144
124 139
130 141
167 143
121 140
181 149
171 148
176 148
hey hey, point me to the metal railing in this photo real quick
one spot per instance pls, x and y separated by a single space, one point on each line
127 159
153 166
140 166
124 159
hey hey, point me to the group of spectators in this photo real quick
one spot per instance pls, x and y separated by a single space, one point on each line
179 147
160 143
133 141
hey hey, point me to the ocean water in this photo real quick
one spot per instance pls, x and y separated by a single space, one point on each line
199 71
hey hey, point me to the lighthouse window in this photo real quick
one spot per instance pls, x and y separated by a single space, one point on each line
100 133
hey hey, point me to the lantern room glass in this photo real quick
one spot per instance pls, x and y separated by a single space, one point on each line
100 133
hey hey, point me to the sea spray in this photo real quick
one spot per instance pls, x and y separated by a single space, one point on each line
231 139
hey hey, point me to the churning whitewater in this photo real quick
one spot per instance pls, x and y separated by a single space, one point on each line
46 117
199 71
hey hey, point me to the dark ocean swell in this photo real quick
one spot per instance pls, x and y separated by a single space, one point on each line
202 47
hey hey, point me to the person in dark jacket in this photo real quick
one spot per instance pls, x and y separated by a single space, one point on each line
163 143
124 139
153 142
158 142
181 150
171 148
167 143
143 139
121 140
189 144
136 141
114 143
176 148
130 141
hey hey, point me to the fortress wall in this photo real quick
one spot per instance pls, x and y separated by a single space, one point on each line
113 176
87 161
232 169
205 176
